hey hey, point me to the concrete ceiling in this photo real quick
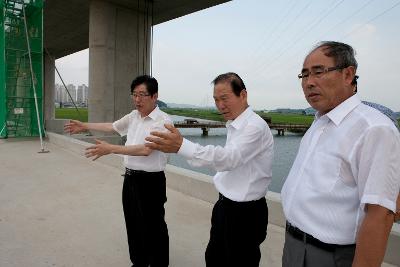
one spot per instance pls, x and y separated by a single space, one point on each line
66 23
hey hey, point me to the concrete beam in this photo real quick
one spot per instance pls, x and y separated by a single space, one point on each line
66 23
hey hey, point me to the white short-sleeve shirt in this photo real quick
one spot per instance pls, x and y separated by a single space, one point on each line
137 129
348 158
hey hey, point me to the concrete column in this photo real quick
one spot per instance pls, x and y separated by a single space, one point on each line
49 86
118 52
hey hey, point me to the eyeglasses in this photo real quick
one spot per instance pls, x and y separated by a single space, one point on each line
317 71
140 95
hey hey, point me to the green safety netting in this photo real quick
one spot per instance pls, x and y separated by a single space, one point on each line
18 116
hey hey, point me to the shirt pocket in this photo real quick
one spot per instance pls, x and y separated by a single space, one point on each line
158 126
323 173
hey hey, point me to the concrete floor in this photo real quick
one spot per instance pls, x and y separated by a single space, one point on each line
61 209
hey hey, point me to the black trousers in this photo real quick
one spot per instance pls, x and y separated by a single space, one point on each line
237 230
143 198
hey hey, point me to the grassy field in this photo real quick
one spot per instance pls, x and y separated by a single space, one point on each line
214 115
71 113
288 118
195 113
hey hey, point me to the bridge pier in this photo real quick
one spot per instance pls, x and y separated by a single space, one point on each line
119 42
282 127
205 131
281 132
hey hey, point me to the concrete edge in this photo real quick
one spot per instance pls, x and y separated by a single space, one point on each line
191 183
200 186
55 125
78 147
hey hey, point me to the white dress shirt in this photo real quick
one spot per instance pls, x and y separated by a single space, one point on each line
243 164
348 158
137 129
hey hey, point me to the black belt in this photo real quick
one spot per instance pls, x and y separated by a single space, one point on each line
227 200
133 172
309 239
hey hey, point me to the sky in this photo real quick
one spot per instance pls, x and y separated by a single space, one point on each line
265 42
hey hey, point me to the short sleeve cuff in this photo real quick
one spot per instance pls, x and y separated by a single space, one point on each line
378 200
187 149
114 125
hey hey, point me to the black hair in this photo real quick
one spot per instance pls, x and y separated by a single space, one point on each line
150 83
233 79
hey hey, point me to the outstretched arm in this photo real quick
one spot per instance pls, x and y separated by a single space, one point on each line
75 126
251 142
102 148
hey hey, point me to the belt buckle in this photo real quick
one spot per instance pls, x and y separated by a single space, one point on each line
129 171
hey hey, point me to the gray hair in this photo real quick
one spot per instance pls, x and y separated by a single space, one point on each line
342 54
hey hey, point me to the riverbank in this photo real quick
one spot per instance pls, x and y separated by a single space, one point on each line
213 114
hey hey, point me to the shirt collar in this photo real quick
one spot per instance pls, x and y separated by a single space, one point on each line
152 115
337 114
239 121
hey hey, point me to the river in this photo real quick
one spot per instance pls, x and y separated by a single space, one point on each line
285 150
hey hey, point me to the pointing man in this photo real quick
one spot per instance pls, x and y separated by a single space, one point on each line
240 216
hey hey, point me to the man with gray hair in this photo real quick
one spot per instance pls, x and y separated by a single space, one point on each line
339 198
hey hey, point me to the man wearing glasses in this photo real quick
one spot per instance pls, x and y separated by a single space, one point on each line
144 189
339 198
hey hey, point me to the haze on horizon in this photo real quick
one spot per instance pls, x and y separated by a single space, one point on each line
265 43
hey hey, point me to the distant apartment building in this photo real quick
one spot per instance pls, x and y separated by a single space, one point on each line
78 94
72 91
82 94
58 93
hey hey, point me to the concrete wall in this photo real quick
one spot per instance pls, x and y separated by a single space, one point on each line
200 186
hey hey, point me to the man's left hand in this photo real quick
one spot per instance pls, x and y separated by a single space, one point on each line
101 148
168 142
